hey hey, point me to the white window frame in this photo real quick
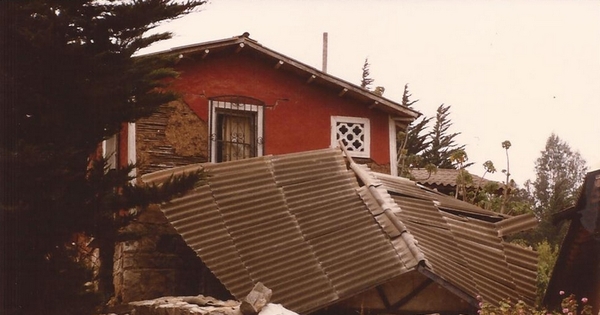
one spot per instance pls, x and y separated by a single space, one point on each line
110 149
259 110
131 149
393 147
366 153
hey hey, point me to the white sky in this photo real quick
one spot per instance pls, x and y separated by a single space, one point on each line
511 70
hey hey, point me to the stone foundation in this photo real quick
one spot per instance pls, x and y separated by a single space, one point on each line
153 261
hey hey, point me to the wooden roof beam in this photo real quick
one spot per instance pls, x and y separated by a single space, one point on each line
343 92
278 64
311 78
403 119
206 51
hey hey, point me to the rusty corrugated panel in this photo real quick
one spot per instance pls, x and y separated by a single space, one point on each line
404 243
196 217
445 177
463 244
306 166
516 224
301 224
523 265
240 226
484 251
294 222
455 205
159 177
436 240
403 186
257 217
348 242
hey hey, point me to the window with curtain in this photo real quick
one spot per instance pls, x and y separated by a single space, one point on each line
236 133
236 128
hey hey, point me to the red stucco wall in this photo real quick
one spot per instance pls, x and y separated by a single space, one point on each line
299 124
123 150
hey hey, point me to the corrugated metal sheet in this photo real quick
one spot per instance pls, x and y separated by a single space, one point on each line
522 263
294 222
483 250
516 224
437 241
197 218
463 243
445 177
348 242
301 224
404 187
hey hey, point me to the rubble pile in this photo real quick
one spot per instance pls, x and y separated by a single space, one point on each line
256 303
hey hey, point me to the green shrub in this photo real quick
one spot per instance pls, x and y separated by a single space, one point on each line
570 306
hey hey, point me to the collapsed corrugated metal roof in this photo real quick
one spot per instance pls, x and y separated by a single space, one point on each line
444 177
463 243
317 232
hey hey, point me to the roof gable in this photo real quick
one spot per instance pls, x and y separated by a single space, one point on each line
402 114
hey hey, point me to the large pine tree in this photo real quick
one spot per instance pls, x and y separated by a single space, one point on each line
414 141
417 138
68 81
443 144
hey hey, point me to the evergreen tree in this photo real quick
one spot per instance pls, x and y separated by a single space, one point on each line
69 81
412 142
417 140
366 80
443 144
560 172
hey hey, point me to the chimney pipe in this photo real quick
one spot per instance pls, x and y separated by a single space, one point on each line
324 69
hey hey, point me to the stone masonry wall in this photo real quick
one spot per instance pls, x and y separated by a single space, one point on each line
153 261
173 136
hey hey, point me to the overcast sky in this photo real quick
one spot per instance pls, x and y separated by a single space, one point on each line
511 70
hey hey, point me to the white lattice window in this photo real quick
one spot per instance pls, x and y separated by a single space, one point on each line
355 134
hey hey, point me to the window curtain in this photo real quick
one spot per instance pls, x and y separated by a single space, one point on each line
237 132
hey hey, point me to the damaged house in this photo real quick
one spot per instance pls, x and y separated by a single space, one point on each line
326 228
240 99
327 234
